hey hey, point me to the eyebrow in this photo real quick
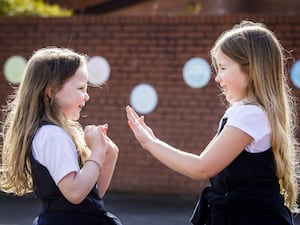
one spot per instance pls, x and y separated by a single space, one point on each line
220 64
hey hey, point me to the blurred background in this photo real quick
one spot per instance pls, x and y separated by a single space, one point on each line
152 55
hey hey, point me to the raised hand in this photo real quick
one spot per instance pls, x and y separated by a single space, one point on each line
141 131
95 137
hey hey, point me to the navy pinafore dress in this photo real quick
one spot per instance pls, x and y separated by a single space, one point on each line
247 192
57 210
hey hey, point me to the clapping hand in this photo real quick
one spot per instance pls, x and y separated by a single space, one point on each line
141 131
95 136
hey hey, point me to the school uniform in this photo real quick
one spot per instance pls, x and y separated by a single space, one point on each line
56 209
247 191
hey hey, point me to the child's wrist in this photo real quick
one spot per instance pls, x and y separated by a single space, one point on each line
95 162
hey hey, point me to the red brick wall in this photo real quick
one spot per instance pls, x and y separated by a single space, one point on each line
142 49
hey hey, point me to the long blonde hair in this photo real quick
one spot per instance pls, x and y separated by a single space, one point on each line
28 106
258 52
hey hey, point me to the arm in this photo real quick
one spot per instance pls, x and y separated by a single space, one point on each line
219 153
75 186
108 167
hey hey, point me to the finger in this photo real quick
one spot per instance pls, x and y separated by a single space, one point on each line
136 122
105 128
127 110
129 113
132 112
131 116
133 126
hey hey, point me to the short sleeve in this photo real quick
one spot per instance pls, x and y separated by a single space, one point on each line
55 149
249 118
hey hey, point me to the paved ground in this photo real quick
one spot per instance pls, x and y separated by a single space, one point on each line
132 209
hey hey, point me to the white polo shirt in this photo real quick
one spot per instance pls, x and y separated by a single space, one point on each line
252 120
54 148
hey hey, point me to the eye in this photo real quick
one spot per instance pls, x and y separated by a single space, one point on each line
221 68
83 88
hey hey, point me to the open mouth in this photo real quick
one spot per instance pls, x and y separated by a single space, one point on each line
223 89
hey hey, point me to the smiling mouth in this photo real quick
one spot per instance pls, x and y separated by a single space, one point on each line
222 89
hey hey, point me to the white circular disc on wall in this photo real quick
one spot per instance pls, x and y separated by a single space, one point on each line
99 70
143 98
295 74
196 72
14 68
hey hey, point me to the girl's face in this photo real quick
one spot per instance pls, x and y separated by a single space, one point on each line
232 80
72 96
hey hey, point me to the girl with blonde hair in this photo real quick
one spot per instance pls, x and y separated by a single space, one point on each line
251 162
46 150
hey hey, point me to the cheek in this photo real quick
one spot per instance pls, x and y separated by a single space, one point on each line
238 87
244 81
64 102
59 101
238 79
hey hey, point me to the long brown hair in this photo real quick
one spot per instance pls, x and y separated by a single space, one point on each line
258 52
28 106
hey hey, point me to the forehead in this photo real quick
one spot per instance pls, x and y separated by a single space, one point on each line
80 76
221 58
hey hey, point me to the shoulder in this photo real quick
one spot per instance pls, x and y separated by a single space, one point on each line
54 148
249 118
245 113
245 109
51 132
52 135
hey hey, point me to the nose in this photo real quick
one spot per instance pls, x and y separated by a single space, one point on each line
86 97
217 78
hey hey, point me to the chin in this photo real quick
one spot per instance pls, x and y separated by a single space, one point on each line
75 118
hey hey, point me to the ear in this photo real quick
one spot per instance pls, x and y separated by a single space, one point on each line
49 92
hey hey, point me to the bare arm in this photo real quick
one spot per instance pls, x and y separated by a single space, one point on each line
220 152
108 167
76 185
